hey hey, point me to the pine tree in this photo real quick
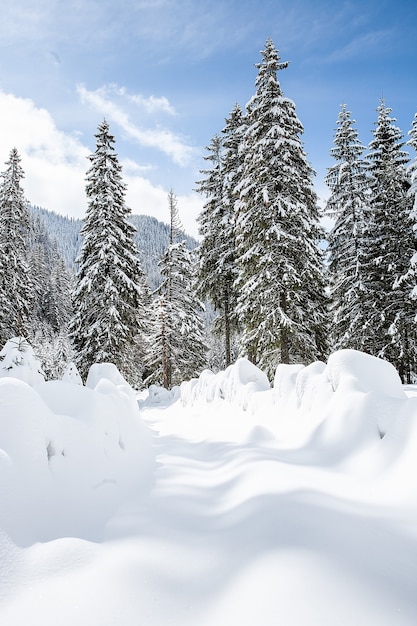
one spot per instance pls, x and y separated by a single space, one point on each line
111 295
16 294
177 348
217 266
347 206
389 248
280 282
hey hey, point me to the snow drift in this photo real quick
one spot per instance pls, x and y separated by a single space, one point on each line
69 455
351 410
293 503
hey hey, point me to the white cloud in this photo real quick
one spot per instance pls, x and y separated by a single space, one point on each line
55 164
153 103
144 198
103 100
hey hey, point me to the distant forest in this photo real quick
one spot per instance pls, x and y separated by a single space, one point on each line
152 239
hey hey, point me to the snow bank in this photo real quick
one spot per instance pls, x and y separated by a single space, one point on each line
236 384
69 455
332 411
159 396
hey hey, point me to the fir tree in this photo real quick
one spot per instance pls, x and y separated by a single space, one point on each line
280 282
413 167
177 348
111 295
217 266
389 249
16 293
347 206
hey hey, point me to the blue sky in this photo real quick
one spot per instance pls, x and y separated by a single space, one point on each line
166 73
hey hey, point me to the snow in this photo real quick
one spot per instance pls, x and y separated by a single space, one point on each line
226 501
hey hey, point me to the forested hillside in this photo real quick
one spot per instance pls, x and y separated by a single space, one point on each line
152 239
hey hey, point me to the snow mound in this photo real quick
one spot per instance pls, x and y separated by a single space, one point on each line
352 369
69 455
332 411
72 375
159 396
344 407
284 380
17 360
235 384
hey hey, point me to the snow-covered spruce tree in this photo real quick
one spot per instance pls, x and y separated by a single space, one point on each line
52 306
111 295
390 246
281 301
413 169
177 350
52 283
217 266
16 293
347 205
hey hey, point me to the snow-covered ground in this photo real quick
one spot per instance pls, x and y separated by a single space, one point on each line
224 503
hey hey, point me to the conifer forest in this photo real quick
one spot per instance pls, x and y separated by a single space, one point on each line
267 280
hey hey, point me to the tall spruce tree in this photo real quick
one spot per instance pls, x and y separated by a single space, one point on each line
390 246
280 282
177 350
16 291
348 206
413 168
111 295
217 266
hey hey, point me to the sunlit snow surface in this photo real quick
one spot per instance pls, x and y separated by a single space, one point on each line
233 504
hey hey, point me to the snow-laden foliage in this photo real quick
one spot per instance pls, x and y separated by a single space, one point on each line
111 296
389 247
280 282
17 360
217 264
348 206
412 169
177 349
413 166
16 288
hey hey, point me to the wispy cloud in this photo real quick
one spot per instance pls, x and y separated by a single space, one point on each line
360 45
55 164
112 102
152 103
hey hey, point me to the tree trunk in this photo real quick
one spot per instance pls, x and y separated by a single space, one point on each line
228 356
285 350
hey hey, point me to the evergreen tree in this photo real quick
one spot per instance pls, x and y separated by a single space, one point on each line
347 206
52 283
60 309
413 167
177 348
390 246
16 294
281 302
217 266
111 295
